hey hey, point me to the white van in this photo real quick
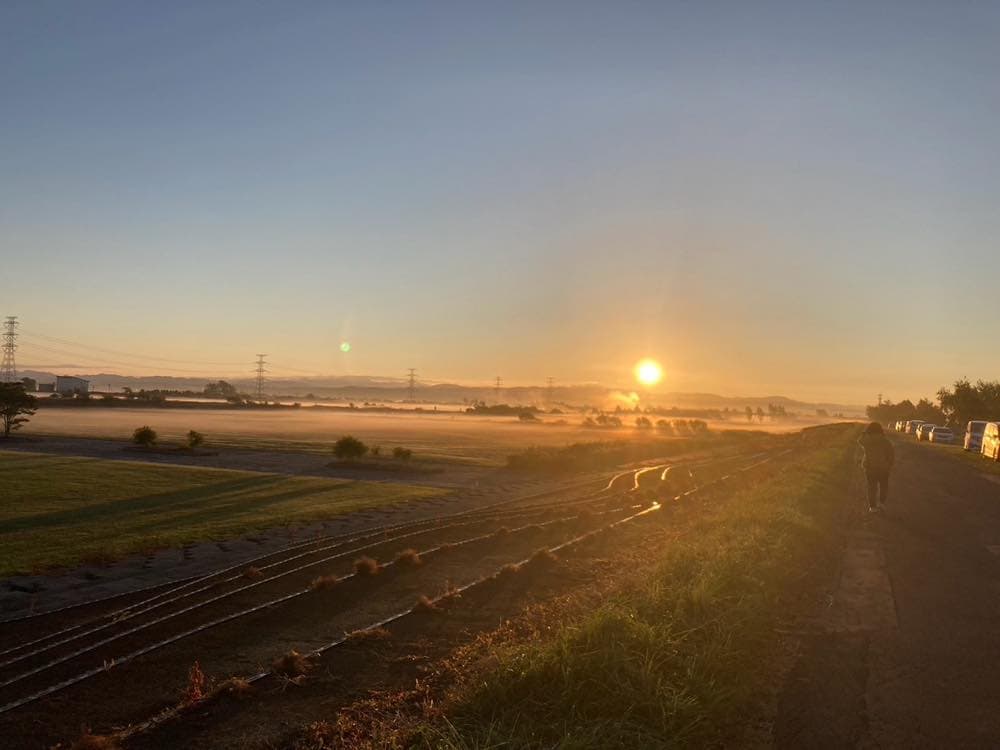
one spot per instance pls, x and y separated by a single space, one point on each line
991 441
974 435
912 425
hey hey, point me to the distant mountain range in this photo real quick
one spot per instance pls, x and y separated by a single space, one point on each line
373 388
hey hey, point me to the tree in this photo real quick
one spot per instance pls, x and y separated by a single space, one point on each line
220 389
195 439
401 453
749 412
144 436
15 406
643 423
349 447
760 414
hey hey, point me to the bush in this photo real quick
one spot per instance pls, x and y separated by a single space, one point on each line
349 447
194 439
665 427
401 453
144 436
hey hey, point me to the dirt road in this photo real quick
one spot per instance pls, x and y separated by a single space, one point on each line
906 652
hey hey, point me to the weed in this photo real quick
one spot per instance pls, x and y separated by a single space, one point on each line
291 665
324 583
366 635
425 606
89 741
509 570
235 686
409 558
542 559
253 573
195 689
501 532
366 566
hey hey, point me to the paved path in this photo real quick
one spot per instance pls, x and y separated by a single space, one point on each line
907 654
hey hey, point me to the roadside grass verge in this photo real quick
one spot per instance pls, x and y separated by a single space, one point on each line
689 657
62 511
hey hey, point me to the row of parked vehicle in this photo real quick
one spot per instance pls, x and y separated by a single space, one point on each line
980 436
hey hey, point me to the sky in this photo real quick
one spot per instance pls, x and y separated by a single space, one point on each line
767 198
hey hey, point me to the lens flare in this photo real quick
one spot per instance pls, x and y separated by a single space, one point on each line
345 346
648 372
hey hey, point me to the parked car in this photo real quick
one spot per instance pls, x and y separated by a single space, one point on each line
991 441
942 435
912 425
974 436
900 425
924 430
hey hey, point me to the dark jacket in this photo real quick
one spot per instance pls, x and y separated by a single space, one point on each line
879 453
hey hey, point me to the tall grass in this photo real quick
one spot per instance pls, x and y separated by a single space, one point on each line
685 659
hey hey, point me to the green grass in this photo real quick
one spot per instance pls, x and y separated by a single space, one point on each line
61 511
684 660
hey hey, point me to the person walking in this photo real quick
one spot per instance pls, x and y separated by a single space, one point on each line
879 456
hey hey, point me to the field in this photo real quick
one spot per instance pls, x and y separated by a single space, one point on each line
452 438
62 510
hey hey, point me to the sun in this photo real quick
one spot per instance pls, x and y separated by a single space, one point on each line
648 372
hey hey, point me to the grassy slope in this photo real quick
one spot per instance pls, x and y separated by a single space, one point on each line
62 511
683 660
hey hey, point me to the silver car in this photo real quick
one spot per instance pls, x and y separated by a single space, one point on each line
924 430
942 435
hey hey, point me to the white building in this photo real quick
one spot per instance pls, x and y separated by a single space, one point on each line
67 385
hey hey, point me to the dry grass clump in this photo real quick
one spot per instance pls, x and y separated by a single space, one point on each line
324 583
292 665
425 606
542 559
367 635
89 741
501 532
509 570
366 566
252 573
235 686
409 558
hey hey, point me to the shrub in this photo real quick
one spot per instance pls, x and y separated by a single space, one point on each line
409 558
324 583
376 450
195 439
293 664
366 566
643 423
349 447
665 427
401 453
144 436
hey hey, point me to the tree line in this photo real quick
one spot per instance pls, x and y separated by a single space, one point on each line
963 402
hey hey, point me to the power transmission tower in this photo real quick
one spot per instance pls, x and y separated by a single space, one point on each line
412 381
549 389
8 370
499 383
260 376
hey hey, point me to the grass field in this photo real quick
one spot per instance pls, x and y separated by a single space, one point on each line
452 438
61 511
684 660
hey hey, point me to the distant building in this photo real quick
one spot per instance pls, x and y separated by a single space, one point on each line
30 384
46 387
67 385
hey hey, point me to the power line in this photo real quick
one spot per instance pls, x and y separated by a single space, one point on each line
549 382
499 382
412 382
260 376
8 369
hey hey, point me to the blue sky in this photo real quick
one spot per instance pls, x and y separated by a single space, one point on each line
795 198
